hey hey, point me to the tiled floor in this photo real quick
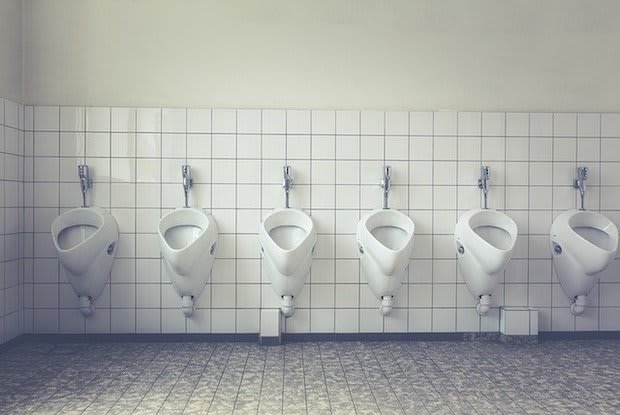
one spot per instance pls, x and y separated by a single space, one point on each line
575 377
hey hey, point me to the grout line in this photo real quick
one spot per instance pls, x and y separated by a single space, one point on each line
432 249
456 275
335 218
600 201
58 269
359 216
109 282
211 211
236 311
135 195
552 181
408 325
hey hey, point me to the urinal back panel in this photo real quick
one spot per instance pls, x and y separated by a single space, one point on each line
390 236
495 236
287 237
179 237
74 235
596 237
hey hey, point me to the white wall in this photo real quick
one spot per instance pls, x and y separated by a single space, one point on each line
135 157
11 49
557 55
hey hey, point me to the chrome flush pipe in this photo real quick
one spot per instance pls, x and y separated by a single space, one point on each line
580 184
483 184
186 172
386 184
86 182
287 183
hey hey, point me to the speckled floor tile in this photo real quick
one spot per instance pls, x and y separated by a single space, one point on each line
572 377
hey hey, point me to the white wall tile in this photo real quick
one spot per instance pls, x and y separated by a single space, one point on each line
564 125
249 121
337 159
148 120
396 123
198 120
323 122
46 118
541 124
123 119
610 125
173 120
372 123
470 123
97 119
445 123
224 121
348 122
421 123
72 119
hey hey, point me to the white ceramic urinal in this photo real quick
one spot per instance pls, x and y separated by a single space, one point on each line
583 243
85 240
188 238
485 239
287 238
385 243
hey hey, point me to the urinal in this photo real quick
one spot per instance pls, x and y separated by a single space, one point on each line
385 243
287 238
85 240
582 244
485 240
188 239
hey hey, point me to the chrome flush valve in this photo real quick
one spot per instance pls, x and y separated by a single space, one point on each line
188 181
86 182
287 183
386 184
581 185
483 182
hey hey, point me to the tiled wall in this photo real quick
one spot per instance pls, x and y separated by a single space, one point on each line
337 157
11 225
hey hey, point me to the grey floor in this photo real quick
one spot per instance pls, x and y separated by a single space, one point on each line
575 377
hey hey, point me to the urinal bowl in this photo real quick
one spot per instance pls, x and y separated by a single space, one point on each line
85 240
484 241
289 284
188 241
582 244
385 243
287 238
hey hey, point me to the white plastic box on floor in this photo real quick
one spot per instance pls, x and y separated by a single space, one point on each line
518 321
270 323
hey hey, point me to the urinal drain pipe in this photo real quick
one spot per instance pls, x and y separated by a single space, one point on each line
187 305
483 306
86 307
387 302
579 305
288 308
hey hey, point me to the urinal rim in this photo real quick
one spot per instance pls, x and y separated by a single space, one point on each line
476 237
364 231
203 229
266 238
57 229
564 220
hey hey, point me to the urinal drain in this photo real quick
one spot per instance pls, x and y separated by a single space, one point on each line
557 249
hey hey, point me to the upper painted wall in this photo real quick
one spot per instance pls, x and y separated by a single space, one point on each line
558 55
11 49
